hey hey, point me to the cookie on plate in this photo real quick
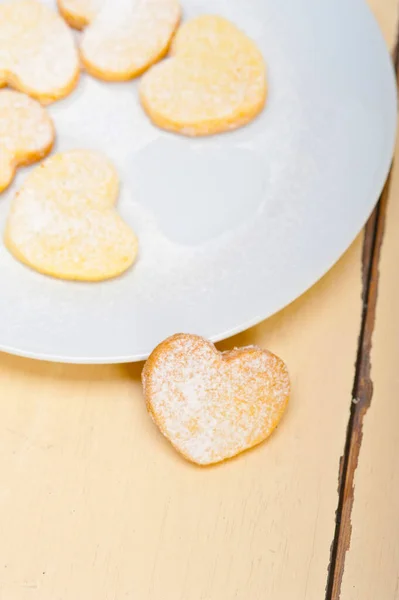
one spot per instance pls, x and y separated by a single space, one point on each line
37 51
63 221
210 405
214 81
122 39
26 133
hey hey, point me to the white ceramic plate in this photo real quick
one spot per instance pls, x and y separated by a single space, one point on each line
234 227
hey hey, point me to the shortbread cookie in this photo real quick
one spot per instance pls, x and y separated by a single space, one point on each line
211 405
80 13
37 51
124 37
63 220
214 81
26 133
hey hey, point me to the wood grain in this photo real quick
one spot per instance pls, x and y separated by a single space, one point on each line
363 384
362 396
372 562
95 504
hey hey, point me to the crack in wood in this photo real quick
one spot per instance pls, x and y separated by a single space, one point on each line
362 387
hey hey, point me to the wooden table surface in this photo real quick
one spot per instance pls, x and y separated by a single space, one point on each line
94 504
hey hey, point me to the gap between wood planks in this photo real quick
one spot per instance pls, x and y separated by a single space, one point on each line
362 387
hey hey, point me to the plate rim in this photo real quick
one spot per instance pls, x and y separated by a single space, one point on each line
301 289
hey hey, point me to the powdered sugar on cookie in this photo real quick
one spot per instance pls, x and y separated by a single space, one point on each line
37 51
26 133
63 221
79 13
122 38
212 406
214 82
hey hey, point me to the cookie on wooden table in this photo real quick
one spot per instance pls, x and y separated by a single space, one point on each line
63 221
214 81
38 55
122 38
26 133
210 405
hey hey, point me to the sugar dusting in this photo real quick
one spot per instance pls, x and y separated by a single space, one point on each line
216 79
36 48
213 406
24 123
26 131
63 222
126 36
82 10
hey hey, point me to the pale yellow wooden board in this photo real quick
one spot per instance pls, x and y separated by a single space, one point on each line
95 504
386 13
372 562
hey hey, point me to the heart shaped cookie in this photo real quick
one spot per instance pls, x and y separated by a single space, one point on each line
37 51
211 405
214 81
122 38
63 220
26 133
